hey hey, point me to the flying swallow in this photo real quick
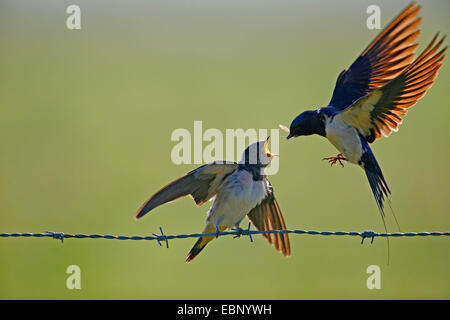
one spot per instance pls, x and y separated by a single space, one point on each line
237 190
372 96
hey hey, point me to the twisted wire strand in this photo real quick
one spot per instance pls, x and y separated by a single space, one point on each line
236 232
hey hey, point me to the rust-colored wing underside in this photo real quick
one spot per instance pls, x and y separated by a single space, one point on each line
267 216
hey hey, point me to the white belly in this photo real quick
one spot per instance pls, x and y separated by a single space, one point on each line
345 138
237 197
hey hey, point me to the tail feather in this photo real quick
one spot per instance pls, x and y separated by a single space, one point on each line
376 179
196 249
379 188
378 185
202 242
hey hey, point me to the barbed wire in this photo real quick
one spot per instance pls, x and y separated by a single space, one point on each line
236 232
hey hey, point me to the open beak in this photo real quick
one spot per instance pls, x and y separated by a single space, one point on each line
266 149
286 129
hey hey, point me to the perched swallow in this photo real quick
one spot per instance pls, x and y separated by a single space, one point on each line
237 189
372 96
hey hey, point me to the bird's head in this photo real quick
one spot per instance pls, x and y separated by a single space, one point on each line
258 154
307 123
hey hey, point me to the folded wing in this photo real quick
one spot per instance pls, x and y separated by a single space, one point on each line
385 58
379 113
202 184
267 216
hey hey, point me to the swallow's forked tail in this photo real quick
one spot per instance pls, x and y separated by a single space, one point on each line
379 187
202 242
377 183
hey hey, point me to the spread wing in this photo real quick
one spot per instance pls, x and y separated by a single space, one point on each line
202 184
385 58
379 113
267 216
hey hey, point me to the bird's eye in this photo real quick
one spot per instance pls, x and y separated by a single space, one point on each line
320 115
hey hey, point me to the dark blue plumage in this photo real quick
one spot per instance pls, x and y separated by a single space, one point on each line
307 123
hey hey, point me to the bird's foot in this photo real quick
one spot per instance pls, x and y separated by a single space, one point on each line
239 232
339 158
217 232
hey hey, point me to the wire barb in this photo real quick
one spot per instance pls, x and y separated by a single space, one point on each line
161 237
239 231
57 235
368 234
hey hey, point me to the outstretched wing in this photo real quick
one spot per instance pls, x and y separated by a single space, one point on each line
379 113
385 58
267 216
202 184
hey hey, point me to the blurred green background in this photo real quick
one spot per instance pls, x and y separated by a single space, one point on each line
85 125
